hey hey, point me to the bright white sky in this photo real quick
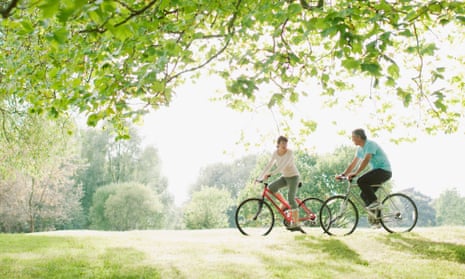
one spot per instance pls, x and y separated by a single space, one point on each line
194 132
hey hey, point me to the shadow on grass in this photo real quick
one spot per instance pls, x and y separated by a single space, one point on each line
315 257
427 248
62 257
335 248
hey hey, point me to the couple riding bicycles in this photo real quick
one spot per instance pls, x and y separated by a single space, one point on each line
369 153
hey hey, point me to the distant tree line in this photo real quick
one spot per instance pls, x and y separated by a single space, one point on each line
54 176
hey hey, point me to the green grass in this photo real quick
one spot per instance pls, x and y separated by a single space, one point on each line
424 253
32 256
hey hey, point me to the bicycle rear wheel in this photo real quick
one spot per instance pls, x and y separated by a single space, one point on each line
398 213
309 213
254 217
338 216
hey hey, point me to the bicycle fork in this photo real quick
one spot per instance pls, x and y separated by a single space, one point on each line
260 206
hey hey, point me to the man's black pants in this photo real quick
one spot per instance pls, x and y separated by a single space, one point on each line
373 177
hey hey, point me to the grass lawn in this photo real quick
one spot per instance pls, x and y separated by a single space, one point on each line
424 253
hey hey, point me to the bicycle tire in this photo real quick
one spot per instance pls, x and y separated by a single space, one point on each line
398 213
254 216
338 216
309 213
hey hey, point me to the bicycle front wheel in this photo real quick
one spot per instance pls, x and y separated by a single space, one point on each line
254 217
309 213
338 216
398 213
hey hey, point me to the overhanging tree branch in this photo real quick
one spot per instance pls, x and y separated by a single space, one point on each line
6 12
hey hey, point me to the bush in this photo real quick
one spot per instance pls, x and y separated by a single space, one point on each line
208 209
125 206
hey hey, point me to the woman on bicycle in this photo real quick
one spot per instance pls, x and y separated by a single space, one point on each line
283 158
368 153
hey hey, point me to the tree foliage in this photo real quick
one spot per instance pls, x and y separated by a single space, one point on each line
425 206
38 162
449 208
207 209
110 161
114 59
127 206
228 176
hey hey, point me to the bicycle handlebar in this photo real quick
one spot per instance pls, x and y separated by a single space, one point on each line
343 177
266 183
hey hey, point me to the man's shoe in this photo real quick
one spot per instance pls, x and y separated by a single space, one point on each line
376 226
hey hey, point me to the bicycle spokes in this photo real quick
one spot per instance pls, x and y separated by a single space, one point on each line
338 216
399 213
254 217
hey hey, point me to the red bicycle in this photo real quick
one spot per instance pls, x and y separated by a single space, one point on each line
254 216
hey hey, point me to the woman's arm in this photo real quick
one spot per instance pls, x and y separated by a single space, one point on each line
266 172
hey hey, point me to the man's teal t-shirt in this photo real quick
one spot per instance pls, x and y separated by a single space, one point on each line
378 160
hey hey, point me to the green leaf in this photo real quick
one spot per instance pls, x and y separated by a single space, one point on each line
294 9
49 8
429 49
351 64
27 26
275 99
372 68
393 71
60 35
405 96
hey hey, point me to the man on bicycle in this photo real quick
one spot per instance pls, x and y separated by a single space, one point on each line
369 153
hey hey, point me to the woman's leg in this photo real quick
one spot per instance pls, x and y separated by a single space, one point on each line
277 184
292 182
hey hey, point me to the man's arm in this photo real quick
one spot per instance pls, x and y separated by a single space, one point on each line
362 166
349 168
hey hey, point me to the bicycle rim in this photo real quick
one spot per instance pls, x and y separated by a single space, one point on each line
254 217
398 213
338 216
309 212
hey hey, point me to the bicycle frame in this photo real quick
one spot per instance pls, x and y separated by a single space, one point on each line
358 200
268 194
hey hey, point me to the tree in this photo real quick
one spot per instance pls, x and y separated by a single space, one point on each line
228 176
207 209
449 208
425 206
127 206
123 57
111 161
318 172
36 173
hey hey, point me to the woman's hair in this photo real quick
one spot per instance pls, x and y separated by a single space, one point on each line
281 138
360 133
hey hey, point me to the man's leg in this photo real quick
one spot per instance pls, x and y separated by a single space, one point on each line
372 177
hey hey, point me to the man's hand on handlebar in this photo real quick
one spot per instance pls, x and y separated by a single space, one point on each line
342 176
351 176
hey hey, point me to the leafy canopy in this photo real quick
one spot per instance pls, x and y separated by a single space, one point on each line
115 59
